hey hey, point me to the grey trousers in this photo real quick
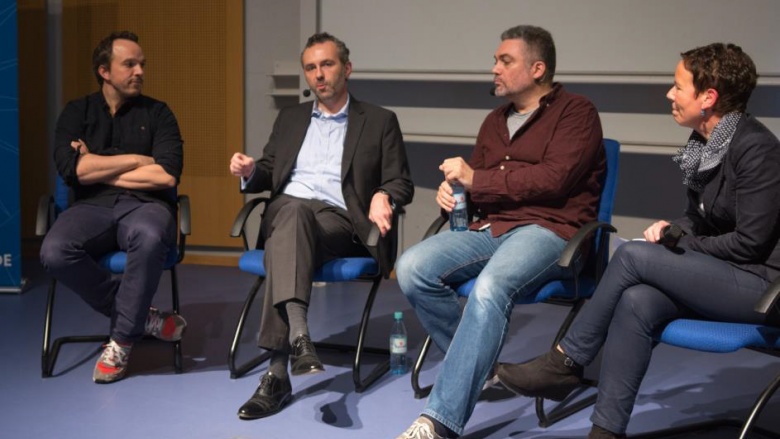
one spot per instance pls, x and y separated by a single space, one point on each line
298 236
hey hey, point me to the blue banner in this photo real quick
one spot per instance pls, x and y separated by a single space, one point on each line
10 224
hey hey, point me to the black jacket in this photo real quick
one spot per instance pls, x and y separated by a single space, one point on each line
374 159
741 220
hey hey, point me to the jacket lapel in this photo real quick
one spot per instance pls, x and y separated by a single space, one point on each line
297 128
355 121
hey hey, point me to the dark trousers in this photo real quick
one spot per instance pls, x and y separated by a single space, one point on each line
83 233
644 287
299 236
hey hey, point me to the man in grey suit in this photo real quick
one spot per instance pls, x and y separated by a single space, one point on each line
334 167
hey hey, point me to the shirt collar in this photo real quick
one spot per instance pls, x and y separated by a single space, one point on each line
341 114
129 102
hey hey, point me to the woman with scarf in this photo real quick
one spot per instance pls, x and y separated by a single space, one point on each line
715 262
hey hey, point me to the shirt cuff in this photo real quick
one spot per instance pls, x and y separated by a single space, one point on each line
245 180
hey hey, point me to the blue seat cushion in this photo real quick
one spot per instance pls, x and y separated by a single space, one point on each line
337 270
115 261
709 336
561 289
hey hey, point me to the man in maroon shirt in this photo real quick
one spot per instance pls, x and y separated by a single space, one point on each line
532 181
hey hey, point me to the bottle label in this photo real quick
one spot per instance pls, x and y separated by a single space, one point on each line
460 197
398 345
459 220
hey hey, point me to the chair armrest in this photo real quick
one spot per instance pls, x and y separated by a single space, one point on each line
770 298
372 240
185 215
436 226
43 215
373 236
238 225
579 239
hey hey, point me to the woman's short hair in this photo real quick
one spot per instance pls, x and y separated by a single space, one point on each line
725 68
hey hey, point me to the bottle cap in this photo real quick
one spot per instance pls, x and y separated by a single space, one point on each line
398 315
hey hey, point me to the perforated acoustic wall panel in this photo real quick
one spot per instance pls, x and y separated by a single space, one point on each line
194 51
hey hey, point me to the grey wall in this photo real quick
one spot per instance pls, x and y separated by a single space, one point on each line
430 60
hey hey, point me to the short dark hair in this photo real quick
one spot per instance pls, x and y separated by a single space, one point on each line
540 44
323 37
725 68
104 51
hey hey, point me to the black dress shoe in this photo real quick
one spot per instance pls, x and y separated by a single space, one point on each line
303 357
271 396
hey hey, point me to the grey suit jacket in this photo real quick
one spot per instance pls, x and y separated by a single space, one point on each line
741 219
374 158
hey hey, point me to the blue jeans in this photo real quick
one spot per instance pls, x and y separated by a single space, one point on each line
507 267
644 287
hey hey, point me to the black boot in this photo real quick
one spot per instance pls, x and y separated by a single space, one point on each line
551 376
599 433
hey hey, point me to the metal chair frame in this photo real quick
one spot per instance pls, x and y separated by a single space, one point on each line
48 209
684 333
361 383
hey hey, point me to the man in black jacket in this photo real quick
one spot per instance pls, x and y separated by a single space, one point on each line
334 168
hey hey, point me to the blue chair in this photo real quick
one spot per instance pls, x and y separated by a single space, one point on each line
364 269
722 337
49 207
572 292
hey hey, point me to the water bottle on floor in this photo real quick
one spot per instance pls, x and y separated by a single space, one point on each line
398 363
459 217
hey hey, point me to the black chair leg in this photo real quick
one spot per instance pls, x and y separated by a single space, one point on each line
177 357
421 392
746 427
360 383
762 400
46 362
237 371
51 351
570 405
380 369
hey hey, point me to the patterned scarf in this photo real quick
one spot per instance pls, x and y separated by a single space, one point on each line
700 158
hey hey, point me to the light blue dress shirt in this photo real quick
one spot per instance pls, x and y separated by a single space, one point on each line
317 171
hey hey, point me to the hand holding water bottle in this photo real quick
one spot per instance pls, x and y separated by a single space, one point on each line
457 170
452 192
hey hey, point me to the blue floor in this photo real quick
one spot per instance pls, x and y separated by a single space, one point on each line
154 402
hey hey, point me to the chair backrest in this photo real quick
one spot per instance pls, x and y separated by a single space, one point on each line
62 195
607 201
599 255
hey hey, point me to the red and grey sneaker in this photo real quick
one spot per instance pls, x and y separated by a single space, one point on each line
112 364
165 326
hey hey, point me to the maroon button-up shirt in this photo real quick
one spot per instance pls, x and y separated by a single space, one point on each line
547 174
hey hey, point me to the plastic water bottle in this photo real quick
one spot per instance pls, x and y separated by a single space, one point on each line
398 363
459 217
